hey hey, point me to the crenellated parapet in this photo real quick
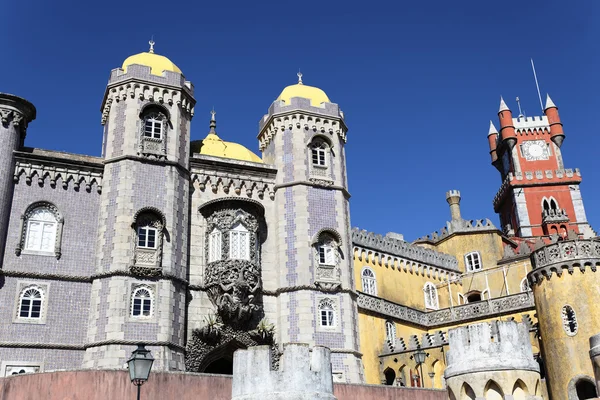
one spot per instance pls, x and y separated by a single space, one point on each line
456 226
49 167
390 251
564 256
535 125
532 178
304 374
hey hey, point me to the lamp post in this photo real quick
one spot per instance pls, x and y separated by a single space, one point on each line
420 356
139 366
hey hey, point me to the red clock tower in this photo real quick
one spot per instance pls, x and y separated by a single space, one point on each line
538 196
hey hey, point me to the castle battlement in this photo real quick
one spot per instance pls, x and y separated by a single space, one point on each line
534 122
304 373
475 348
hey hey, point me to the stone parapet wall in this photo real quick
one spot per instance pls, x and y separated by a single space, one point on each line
565 255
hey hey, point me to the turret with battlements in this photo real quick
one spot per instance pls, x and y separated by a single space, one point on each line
304 373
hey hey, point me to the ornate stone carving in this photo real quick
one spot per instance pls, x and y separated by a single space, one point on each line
233 285
321 182
151 147
567 254
75 176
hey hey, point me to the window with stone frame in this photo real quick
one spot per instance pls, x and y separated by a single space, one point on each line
148 228
431 296
327 317
239 242
326 253
473 261
215 245
320 152
154 126
142 302
41 230
31 303
369 283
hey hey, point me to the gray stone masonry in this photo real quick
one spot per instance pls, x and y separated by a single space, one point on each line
304 374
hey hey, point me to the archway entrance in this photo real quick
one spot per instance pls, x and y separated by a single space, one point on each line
585 389
390 376
220 366
220 359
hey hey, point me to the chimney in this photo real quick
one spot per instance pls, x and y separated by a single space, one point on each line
453 198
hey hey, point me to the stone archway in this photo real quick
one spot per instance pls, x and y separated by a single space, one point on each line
220 359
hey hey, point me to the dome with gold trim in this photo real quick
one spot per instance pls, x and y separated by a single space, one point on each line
314 94
156 62
213 145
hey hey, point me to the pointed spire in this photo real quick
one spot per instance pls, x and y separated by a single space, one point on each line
493 130
549 102
213 122
503 106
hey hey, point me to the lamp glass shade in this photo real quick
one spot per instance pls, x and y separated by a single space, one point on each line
420 356
140 364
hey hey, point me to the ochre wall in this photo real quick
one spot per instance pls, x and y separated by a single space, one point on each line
112 384
567 356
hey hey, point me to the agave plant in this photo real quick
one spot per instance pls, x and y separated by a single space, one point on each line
265 331
211 331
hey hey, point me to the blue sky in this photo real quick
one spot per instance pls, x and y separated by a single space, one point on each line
418 82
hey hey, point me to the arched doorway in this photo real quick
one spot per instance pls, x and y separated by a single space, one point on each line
220 359
222 366
390 376
585 389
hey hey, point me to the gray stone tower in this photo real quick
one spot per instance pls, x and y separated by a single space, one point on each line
142 244
303 135
15 114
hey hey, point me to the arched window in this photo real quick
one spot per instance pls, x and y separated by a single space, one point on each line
569 320
141 302
41 230
239 243
155 121
431 296
214 245
147 236
30 303
148 225
473 297
545 204
553 204
319 150
390 333
473 261
327 313
525 285
326 253
369 283
153 126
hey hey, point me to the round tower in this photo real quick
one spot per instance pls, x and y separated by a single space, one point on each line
139 292
15 114
492 361
567 299
304 136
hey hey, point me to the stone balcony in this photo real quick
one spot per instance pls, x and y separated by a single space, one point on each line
554 216
564 255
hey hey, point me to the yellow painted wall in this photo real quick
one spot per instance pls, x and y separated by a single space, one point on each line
567 356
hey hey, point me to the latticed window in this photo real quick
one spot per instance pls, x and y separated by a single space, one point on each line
473 261
41 230
327 312
369 283
431 296
30 304
147 237
141 305
390 333
214 245
319 153
239 243
153 127
326 254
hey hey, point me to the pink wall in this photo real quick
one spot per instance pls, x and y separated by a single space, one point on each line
108 384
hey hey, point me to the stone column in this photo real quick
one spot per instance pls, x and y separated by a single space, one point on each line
15 114
595 356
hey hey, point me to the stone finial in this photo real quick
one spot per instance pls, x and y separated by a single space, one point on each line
213 121
453 198
304 373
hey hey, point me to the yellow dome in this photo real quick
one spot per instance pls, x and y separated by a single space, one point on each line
213 145
316 95
157 63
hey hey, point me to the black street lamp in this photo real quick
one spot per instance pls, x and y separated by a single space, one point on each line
420 356
139 366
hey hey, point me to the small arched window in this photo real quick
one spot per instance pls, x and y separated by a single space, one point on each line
390 333
214 245
155 121
319 150
473 297
147 235
148 225
327 313
569 320
141 302
431 296
326 253
153 126
369 283
239 243
30 303
525 285
473 261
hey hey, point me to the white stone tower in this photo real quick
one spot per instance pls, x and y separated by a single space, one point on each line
304 135
139 292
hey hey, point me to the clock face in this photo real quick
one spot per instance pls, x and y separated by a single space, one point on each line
534 150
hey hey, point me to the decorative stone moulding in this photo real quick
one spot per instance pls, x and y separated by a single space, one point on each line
244 185
565 255
69 176
16 111
530 178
